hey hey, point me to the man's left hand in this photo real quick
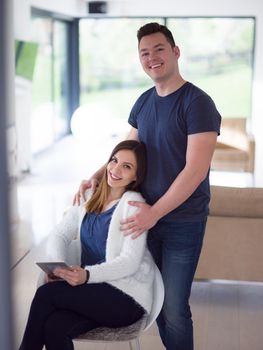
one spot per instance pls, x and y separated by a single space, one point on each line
140 222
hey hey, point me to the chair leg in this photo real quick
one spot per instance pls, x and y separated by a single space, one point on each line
137 344
137 341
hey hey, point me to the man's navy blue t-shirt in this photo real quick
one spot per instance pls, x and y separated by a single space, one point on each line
164 124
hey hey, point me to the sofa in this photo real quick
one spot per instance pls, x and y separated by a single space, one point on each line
233 243
235 148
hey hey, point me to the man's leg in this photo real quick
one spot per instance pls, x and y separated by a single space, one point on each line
181 245
155 245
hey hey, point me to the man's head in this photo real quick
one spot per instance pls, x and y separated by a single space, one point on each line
159 55
152 28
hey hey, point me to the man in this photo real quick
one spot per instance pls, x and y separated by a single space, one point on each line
179 124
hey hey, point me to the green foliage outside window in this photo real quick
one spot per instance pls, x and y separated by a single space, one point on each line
26 53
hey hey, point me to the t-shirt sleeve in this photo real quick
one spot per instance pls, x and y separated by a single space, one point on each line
202 116
137 107
132 120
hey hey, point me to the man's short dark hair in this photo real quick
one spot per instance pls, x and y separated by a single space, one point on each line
154 27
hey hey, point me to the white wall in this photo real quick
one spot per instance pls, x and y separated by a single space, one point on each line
67 7
22 12
171 8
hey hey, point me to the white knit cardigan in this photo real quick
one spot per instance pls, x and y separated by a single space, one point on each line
128 265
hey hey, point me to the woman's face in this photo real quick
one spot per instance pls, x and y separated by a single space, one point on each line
121 170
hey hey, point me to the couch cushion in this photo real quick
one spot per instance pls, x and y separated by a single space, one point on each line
230 154
237 202
232 249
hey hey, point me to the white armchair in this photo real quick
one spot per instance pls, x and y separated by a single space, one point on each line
130 333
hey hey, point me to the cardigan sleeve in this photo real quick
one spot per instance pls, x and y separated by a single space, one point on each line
67 230
63 234
131 253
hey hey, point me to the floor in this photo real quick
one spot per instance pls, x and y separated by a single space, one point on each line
227 315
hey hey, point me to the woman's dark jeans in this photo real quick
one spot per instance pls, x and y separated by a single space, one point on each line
60 312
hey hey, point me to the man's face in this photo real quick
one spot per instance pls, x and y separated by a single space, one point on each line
158 57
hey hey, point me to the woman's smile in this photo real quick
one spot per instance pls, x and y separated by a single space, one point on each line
114 177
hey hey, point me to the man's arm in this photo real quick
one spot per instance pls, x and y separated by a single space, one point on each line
85 184
133 134
199 153
97 176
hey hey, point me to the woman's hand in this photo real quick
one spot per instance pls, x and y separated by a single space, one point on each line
75 275
50 278
84 185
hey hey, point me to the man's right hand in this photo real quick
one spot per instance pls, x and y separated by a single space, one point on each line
84 185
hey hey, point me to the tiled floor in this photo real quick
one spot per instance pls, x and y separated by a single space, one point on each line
227 316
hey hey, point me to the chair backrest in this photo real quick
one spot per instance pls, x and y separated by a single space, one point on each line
158 298
73 253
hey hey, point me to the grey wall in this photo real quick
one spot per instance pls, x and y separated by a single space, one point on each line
6 119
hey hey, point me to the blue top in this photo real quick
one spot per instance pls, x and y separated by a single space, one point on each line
93 236
164 124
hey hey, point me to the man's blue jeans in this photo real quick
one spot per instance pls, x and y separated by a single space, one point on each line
176 248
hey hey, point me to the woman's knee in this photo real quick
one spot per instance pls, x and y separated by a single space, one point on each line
43 292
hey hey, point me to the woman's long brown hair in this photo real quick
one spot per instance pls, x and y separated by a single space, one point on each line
99 198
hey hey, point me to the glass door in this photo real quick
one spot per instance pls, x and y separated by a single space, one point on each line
50 118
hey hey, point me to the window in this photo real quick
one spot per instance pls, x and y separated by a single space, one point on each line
216 55
49 101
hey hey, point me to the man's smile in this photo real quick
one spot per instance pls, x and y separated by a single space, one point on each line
154 66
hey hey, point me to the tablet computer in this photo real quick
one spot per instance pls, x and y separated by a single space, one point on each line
49 267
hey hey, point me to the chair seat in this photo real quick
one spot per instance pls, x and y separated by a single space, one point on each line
115 334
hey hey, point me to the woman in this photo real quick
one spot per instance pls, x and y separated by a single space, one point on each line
112 287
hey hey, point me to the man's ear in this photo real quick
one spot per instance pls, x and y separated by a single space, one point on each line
176 51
